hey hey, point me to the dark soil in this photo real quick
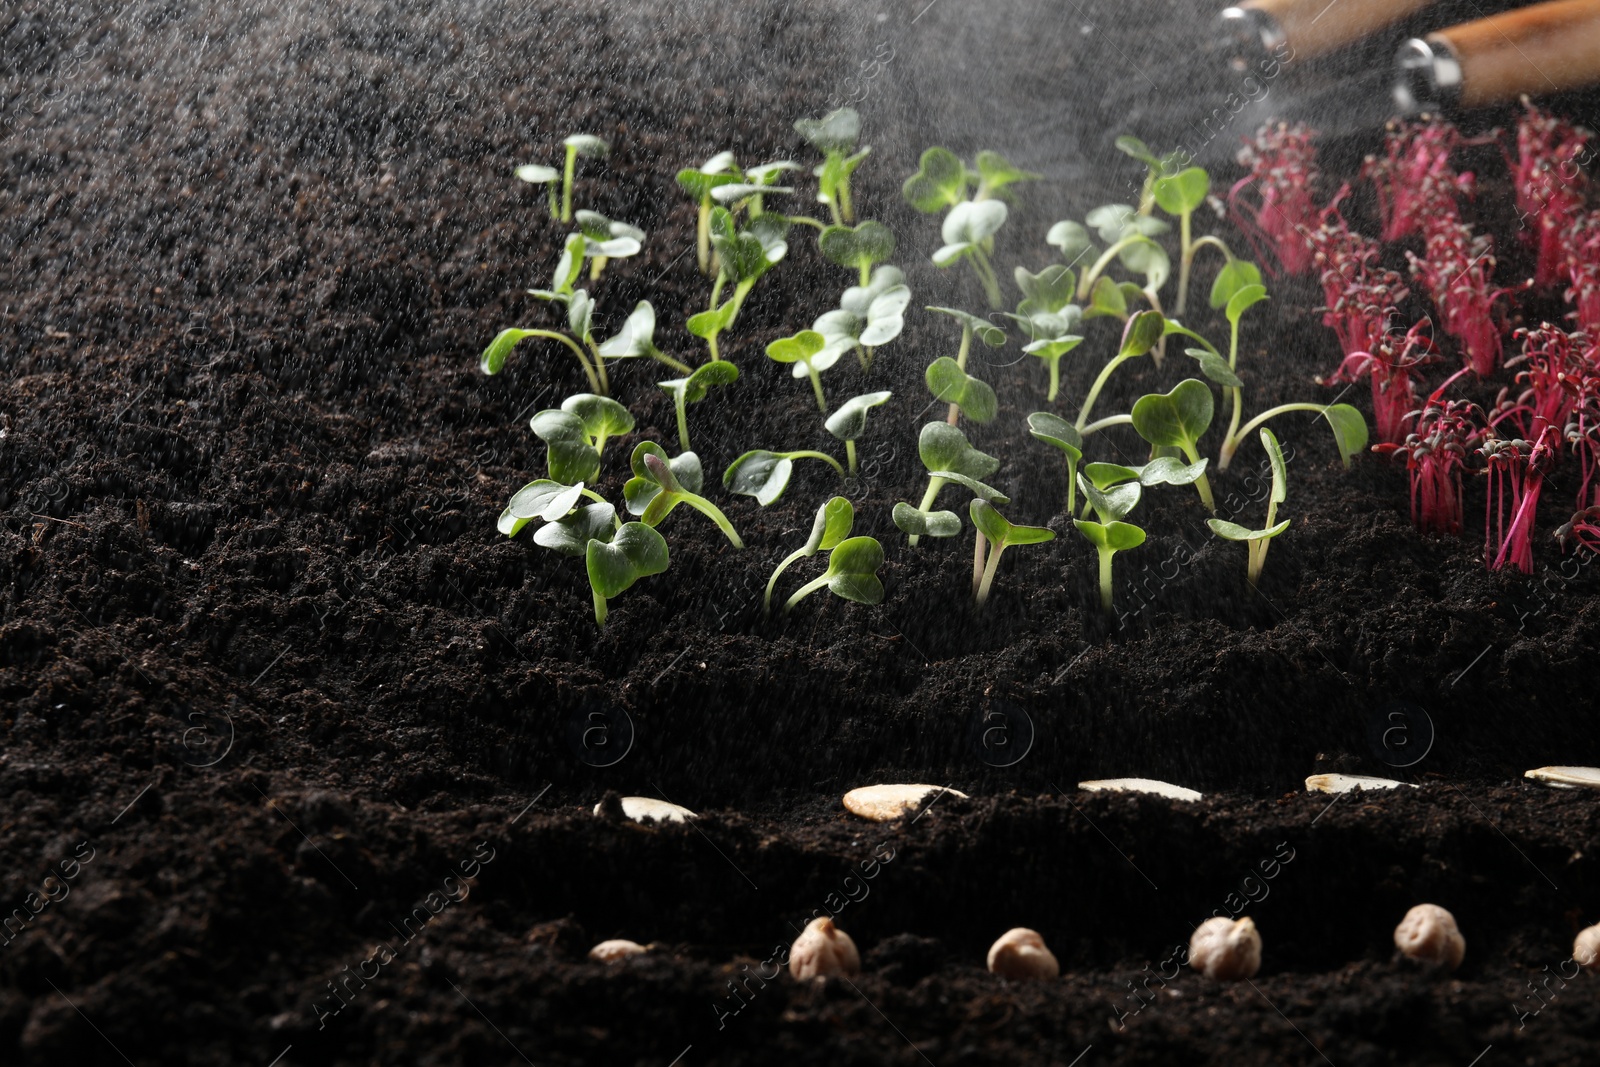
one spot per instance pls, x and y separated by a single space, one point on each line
269 677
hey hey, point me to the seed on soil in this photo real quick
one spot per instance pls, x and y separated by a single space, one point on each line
1429 933
640 809
1586 949
881 803
1225 949
1140 785
1345 783
823 949
1566 777
616 949
1021 953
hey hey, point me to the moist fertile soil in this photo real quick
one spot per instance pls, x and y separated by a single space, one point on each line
300 753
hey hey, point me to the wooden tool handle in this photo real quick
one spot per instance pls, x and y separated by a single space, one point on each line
1313 27
1542 49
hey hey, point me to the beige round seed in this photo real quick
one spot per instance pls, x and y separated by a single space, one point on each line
1586 950
1429 933
1225 949
823 949
881 803
1021 953
618 949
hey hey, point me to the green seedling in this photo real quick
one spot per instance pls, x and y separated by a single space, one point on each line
1349 426
580 321
635 551
576 434
636 339
1110 299
971 396
852 574
1127 235
1178 419
1050 317
1141 334
765 475
1000 534
971 326
1260 540
756 183
850 421
658 486
745 255
1163 470
699 182
867 316
693 389
1180 194
966 231
1057 432
1235 274
568 268
835 136
1108 539
1155 169
545 499
829 529
606 239
939 183
862 248
579 144
809 355
949 457
570 535
709 326
994 172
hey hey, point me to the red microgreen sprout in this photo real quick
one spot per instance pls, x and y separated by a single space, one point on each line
1394 393
1283 170
1456 273
1000 534
1435 452
1550 186
1415 183
1516 468
1360 295
1583 268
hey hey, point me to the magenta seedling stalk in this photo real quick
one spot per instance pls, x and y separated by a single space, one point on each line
1283 170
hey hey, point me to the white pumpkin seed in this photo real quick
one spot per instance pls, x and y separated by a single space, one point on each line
1345 783
618 949
1140 785
1566 777
881 803
640 809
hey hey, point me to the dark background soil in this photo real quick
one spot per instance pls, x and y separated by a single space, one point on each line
262 649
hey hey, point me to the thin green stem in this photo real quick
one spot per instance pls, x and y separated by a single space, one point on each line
680 401
1185 261
1108 421
599 607
555 205
566 183
1105 576
866 274
835 464
934 485
989 570
1216 242
712 512
1233 420
1233 346
711 343
772 583
598 265
677 365
850 454
961 361
1176 328
1094 390
986 275
833 209
864 355
1055 377
1159 353
600 368
1087 281
740 291
716 291
1234 440
588 370
805 591
816 386
806 220
702 235
1258 559
1072 486
845 207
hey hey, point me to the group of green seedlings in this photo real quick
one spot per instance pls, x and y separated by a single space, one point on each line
740 237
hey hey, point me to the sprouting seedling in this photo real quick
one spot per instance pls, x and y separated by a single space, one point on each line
1000 535
635 551
852 574
835 136
973 397
867 316
606 239
829 529
1127 235
940 182
1050 317
579 144
693 389
850 421
576 434
709 326
1348 424
994 172
949 457
1109 299
580 321
1260 540
658 486
1139 335
863 247
1155 169
967 230
1110 534
765 475
809 355
1180 194
549 500
636 339
568 268
1057 432
751 189
745 255
698 182
971 326
1178 419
